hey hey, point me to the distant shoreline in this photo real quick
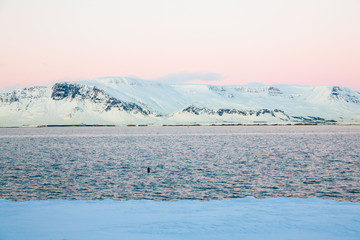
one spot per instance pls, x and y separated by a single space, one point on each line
184 125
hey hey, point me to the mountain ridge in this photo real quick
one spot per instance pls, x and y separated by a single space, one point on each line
131 101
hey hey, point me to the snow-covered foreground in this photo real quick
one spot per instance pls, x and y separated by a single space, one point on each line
246 218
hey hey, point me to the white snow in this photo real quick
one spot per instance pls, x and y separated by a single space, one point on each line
246 218
166 102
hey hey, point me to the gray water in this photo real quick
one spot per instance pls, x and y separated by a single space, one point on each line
185 162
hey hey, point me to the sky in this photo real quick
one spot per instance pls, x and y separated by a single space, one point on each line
228 42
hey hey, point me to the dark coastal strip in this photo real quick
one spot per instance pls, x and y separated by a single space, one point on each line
189 125
77 125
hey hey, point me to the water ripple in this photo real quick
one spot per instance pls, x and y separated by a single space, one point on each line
186 163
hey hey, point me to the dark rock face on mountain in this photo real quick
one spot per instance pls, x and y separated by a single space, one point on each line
14 96
65 90
113 103
340 94
232 111
69 91
9 97
312 119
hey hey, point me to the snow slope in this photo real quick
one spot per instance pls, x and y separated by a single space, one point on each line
131 101
246 218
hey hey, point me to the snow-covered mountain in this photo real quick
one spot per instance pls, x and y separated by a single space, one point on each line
131 101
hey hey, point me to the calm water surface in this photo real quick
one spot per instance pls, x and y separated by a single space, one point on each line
185 162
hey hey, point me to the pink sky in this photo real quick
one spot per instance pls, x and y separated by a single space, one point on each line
269 41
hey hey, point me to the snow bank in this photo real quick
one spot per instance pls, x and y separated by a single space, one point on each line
246 218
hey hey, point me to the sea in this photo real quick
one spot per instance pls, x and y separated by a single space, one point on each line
170 163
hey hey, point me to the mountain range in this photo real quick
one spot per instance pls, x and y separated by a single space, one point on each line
131 101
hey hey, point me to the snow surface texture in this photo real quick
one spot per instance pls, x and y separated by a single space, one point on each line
131 101
246 218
